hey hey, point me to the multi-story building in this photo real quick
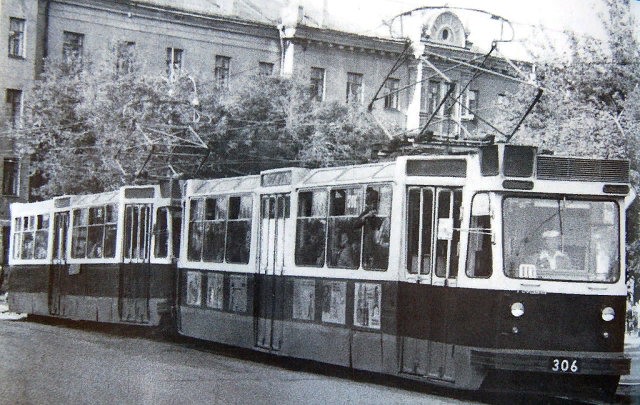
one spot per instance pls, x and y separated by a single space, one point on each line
404 80
22 26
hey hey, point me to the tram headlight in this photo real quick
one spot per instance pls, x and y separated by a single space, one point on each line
517 309
608 314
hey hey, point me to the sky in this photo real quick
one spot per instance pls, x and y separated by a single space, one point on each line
527 18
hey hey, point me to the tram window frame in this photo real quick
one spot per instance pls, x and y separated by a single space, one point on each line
195 230
31 237
342 229
167 231
214 229
480 238
424 234
589 241
216 218
376 224
137 238
447 242
311 228
238 230
94 232
162 233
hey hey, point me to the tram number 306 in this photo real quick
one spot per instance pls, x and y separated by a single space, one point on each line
565 365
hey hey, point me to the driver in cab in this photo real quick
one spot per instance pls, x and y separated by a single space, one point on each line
551 257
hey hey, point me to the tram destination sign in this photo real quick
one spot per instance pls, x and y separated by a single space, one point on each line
282 178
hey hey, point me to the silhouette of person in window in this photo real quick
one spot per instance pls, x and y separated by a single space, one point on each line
551 257
345 254
376 232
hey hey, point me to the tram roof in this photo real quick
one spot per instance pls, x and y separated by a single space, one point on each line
204 187
370 172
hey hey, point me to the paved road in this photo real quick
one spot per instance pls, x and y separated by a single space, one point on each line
53 363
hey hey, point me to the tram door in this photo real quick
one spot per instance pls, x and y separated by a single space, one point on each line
433 228
135 272
270 283
58 272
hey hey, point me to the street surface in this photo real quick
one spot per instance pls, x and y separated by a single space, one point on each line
45 361
51 363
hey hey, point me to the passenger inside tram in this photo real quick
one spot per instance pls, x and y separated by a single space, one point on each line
376 232
551 256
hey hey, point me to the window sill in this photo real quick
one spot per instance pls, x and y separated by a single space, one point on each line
18 57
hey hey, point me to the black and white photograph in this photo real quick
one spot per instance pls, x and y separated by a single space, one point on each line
320 202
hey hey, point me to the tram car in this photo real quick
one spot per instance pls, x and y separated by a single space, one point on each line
495 268
107 257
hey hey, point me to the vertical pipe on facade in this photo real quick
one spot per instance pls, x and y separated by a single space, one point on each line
45 43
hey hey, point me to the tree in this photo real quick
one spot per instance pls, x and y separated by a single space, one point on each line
91 127
589 95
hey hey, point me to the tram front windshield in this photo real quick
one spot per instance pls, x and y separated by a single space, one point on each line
561 239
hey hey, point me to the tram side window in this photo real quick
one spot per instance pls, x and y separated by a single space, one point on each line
102 232
161 248
42 236
94 232
239 229
376 219
419 228
31 237
479 258
136 235
344 235
176 232
196 227
79 233
215 216
311 228
448 238
17 237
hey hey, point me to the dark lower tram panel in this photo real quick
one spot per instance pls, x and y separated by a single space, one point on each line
114 293
449 336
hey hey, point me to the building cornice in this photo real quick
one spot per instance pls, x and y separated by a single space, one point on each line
133 9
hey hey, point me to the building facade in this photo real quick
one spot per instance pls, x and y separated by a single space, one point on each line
403 80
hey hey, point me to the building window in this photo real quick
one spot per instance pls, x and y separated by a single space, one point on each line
16 37
174 61
391 88
72 45
222 71
266 69
354 87
10 177
450 107
125 55
317 83
14 104
445 115
470 102
433 97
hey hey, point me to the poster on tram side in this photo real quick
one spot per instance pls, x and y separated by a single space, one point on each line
215 282
304 299
334 295
193 288
367 301
238 293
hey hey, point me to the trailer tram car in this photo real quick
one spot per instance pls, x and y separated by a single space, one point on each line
494 269
105 257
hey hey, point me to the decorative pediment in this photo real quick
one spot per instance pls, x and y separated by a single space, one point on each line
445 28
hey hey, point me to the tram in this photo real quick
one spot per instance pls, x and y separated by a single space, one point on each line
495 268
490 268
107 257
